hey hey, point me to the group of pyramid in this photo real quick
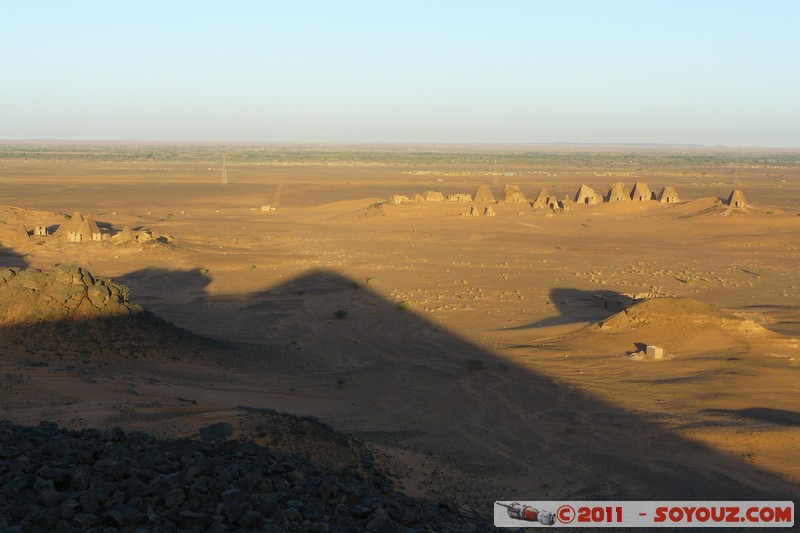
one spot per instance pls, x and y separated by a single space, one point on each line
585 195
619 193
80 229
84 229
512 194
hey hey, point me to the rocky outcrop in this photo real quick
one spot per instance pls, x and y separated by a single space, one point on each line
63 292
66 311
60 480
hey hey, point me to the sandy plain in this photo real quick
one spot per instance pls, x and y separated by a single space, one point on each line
467 356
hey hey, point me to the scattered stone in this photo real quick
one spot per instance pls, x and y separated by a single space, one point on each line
58 479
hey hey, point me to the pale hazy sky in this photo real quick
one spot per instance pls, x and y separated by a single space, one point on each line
645 71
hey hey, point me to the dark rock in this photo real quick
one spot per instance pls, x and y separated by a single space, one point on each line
381 523
114 518
50 498
188 519
69 508
130 515
233 495
115 470
292 514
232 511
251 520
295 504
174 498
360 511
97 481
216 432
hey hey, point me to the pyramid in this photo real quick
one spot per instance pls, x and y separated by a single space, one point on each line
90 230
71 231
74 223
125 235
668 195
433 196
736 199
488 212
641 192
80 229
618 193
484 195
512 195
586 195
474 211
541 199
417 198
13 232
459 197
398 199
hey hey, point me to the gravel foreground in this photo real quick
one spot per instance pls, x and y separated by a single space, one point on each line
55 479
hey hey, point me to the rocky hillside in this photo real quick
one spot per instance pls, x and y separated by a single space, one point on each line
60 480
64 292
66 311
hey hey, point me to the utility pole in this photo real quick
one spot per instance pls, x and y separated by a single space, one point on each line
224 180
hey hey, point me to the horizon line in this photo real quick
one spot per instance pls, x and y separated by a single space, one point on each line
219 142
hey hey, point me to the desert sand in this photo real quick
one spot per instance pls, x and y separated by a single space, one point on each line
475 355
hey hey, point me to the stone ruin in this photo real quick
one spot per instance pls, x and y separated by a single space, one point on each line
541 199
654 351
586 195
513 195
483 195
125 235
81 229
618 193
641 192
736 199
398 199
459 198
668 195
13 232
434 196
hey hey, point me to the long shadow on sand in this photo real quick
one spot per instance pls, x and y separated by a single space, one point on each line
10 258
393 377
575 305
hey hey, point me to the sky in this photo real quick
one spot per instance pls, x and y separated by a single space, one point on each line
496 71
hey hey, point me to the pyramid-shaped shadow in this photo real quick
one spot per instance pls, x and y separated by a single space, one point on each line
11 258
576 305
391 376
